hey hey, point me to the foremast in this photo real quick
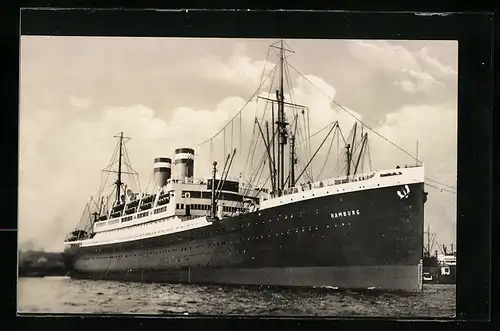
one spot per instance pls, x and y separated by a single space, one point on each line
95 209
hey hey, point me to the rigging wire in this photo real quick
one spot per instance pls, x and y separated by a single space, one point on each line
449 186
258 142
352 115
295 127
110 164
441 188
241 109
151 176
307 123
253 143
369 156
134 175
363 123
252 147
328 154
259 169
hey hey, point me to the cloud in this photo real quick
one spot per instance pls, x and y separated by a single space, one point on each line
415 72
239 69
383 55
435 66
421 82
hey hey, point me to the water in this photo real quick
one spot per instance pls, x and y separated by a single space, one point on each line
65 295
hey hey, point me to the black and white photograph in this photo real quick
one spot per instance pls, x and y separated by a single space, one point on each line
225 176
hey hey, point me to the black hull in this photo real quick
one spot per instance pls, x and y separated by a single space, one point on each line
381 277
378 243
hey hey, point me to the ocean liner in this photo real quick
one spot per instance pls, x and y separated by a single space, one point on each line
357 230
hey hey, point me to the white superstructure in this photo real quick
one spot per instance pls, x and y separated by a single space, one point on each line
189 203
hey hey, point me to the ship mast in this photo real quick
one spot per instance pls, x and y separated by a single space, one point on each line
281 122
118 182
362 150
281 119
430 240
277 156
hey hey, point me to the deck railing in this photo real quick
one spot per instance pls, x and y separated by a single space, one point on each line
322 183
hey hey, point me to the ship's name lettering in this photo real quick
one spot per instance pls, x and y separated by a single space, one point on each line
391 174
345 213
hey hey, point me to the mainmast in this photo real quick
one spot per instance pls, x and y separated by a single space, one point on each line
119 179
282 124
278 159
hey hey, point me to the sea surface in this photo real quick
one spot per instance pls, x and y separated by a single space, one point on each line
64 295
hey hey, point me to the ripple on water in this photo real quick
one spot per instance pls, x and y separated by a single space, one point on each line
39 295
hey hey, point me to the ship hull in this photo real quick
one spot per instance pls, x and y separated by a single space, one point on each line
365 239
369 277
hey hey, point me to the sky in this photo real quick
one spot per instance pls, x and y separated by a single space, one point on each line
76 93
